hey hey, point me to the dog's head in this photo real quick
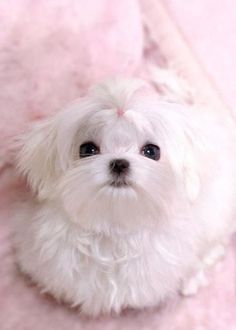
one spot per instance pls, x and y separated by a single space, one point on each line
118 157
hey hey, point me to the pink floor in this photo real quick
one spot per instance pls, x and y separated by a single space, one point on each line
209 27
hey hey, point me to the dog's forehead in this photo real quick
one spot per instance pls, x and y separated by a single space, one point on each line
110 129
121 133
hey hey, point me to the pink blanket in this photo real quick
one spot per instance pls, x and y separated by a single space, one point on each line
50 52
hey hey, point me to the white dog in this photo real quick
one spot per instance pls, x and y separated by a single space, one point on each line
132 198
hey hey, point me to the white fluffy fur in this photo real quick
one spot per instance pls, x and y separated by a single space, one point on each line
106 248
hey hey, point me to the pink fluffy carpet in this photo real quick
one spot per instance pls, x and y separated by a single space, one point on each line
50 52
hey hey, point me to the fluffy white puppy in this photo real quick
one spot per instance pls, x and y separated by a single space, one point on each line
132 198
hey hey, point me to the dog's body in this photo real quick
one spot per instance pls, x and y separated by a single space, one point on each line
142 217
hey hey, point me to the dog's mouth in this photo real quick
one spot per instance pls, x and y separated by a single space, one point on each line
116 184
120 183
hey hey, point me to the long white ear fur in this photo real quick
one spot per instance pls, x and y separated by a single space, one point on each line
191 178
37 159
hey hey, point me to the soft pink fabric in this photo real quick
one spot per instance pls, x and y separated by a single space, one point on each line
50 51
209 29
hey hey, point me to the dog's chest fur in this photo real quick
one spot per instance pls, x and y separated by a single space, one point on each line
98 271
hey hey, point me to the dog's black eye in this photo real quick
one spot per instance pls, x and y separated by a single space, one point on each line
151 151
88 149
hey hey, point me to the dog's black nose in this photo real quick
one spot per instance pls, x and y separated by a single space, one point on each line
119 166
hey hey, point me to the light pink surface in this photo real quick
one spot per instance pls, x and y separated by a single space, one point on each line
209 27
46 59
50 52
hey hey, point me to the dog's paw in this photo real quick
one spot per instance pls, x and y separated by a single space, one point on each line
194 283
214 255
191 286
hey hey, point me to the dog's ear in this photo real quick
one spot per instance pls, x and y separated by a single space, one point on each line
38 158
191 177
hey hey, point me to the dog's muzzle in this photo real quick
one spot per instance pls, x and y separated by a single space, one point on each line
119 168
